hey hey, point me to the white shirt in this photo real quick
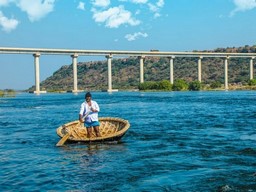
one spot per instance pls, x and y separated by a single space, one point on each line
93 116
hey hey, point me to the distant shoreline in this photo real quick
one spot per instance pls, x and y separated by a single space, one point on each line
231 88
12 92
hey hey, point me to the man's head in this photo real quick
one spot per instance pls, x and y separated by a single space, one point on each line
88 96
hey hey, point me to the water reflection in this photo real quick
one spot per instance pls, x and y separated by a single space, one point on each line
92 154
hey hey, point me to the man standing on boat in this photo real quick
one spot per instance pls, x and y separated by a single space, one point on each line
90 109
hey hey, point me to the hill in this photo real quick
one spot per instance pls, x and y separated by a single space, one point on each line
125 72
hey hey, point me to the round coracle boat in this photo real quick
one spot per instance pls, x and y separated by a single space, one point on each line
111 129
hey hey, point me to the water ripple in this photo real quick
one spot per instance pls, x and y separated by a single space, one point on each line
178 141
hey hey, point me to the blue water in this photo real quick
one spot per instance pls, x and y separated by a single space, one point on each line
178 141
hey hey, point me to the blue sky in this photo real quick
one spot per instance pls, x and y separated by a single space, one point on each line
166 25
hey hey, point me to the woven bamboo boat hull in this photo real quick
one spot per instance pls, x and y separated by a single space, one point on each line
111 129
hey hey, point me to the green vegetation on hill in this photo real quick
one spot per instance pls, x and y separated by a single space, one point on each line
125 72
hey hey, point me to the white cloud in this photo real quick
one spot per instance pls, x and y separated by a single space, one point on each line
139 1
8 24
101 3
4 2
160 3
157 15
243 5
36 9
81 6
137 12
155 8
114 17
133 37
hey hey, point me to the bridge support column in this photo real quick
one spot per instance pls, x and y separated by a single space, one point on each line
251 68
171 68
37 73
226 73
74 61
200 69
109 58
141 58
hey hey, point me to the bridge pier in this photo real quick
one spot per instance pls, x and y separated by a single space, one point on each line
37 74
226 73
109 60
74 61
141 58
200 69
171 68
251 68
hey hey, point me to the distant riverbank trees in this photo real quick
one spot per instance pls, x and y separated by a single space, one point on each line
156 85
183 85
178 85
7 92
252 82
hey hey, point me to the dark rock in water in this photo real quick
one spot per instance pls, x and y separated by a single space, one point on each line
224 188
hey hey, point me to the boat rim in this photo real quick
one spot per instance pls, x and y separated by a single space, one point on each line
118 133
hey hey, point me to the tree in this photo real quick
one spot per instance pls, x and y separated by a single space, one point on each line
252 82
156 85
149 85
165 85
180 85
195 86
215 84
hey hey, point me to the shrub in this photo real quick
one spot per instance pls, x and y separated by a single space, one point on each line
7 92
148 85
180 85
215 85
152 85
164 85
195 86
252 82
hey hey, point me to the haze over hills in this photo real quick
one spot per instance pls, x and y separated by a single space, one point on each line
125 72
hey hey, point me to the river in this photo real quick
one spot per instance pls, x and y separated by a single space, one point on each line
178 141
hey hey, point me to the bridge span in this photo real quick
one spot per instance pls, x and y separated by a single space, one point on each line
109 54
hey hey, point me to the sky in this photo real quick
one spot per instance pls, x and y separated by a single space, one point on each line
136 25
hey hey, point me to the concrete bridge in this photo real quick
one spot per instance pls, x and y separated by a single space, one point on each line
109 54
